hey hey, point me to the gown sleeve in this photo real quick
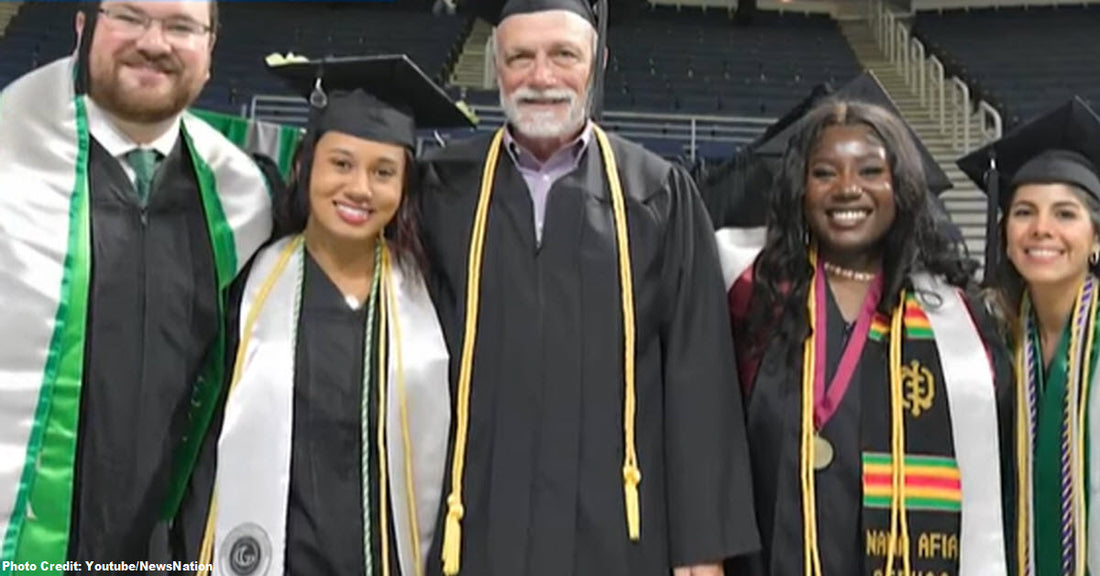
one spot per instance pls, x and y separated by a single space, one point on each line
709 486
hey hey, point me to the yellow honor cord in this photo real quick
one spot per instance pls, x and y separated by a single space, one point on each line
1023 448
452 528
811 556
632 475
1077 463
383 478
206 552
403 404
898 519
1079 479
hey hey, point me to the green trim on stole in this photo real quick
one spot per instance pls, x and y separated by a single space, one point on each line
209 386
46 485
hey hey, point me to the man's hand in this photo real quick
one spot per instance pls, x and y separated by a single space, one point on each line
699 570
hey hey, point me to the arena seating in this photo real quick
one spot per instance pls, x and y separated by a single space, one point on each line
700 62
1024 60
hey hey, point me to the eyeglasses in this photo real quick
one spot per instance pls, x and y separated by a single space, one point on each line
177 30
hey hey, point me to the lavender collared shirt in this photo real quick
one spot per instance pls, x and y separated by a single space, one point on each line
541 176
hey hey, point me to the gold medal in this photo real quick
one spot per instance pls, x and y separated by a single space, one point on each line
823 452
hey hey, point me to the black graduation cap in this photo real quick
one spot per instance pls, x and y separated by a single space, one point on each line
756 167
382 98
1061 146
379 98
864 88
495 11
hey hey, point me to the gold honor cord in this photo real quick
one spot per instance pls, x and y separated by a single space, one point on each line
632 476
1079 488
811 560
898 516
402 401
388 303
1023 448
383 484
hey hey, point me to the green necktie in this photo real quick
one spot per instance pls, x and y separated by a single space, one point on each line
144 162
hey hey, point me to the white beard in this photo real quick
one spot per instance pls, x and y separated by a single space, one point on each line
544 124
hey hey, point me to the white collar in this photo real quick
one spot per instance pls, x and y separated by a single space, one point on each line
117 144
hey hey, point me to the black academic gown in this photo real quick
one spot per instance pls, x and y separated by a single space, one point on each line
543 490
152 320
773 417
325 512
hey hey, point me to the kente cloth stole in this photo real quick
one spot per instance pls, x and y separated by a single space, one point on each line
929 439
933 488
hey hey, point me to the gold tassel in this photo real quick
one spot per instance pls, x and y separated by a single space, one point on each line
452 536
631 477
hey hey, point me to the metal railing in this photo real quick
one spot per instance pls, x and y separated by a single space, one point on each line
948 100
960 112
690 131
489 71
920 70
991 126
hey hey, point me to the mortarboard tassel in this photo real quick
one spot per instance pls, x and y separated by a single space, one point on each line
598 70
992 229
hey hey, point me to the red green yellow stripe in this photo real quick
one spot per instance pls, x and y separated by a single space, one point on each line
917 326
915 320
931 482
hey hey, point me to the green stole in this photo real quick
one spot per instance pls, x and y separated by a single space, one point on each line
1060 465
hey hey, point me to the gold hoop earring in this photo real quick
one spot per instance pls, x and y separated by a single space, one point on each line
1094 258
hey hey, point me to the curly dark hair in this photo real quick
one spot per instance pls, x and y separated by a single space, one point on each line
914 241
402 233
1006 286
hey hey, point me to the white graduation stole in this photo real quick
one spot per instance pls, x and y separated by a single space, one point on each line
737 249
972 401
253 476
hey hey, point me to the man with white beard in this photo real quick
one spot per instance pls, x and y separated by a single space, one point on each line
123 220
598 426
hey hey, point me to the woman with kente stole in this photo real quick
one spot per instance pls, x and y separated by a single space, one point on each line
872 413
1044 178
331 454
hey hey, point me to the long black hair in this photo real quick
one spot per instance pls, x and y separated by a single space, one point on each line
914 242
402 233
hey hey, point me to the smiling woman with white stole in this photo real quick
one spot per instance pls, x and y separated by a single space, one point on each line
1048 282
871 408
330 459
